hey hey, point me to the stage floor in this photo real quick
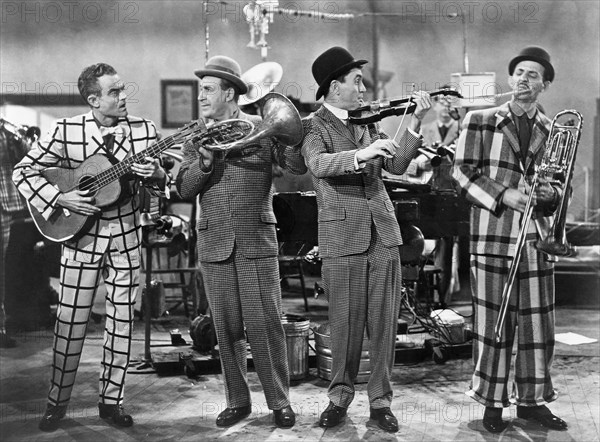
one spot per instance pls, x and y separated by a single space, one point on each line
429 402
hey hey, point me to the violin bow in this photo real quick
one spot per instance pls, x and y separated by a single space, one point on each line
404 115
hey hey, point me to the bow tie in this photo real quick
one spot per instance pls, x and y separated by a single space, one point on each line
113 130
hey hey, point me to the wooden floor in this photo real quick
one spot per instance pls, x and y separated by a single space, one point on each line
429 398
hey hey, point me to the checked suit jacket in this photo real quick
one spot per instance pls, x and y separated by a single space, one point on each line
236 197
488 161
348 202
70 142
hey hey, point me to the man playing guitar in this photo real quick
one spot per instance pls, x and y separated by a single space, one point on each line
109 246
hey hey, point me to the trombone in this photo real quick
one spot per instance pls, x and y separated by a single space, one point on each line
558 162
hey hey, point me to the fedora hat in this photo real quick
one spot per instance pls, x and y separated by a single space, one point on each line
224 67
331 64
537 54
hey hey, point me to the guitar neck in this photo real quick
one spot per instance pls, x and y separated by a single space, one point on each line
124 167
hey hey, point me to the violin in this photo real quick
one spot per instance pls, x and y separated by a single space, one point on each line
378 110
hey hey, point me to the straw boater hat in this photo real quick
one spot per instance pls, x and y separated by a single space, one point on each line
534 53
224 67
331 64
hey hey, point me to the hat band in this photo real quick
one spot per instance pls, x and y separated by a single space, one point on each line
221 68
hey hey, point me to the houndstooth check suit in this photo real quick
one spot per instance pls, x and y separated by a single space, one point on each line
358 241
237 251
110 249
488 161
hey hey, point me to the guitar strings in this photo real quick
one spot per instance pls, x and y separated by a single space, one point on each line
109 175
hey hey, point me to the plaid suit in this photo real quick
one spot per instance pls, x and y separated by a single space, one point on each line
237 251
488 161
110 249
12 205
358 241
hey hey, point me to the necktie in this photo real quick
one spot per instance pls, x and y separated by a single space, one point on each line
108 134
524 134
443 131
109 141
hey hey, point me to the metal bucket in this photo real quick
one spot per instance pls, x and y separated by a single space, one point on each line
324 360
296 336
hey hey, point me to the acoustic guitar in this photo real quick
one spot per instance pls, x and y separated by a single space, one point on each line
102 178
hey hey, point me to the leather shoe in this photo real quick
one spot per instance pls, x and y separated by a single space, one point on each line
492 420
52 416
231 416
385 419
543 415
332 416
285 418
116 413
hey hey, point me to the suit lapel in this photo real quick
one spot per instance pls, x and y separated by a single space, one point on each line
505 123
539 135
337 125
121 146
94 139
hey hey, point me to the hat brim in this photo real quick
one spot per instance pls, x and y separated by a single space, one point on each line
339 71
242 88
548 68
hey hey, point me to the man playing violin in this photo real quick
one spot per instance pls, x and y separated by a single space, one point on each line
108 250
359 236
495 160
237 246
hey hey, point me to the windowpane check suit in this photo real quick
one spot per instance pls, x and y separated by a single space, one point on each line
488 161
359 241
110 249
237 253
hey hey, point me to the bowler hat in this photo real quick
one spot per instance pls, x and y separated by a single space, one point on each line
331 64
536 54
224 67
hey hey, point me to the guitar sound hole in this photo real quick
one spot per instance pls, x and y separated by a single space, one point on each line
88 183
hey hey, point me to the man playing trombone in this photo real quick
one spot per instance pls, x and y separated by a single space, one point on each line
495 160
237 245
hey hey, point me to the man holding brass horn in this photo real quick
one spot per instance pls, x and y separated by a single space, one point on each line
359 236
237 243
496 157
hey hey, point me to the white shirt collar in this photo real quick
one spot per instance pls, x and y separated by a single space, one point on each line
342 114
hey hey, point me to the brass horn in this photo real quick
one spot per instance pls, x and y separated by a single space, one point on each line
29 134
560 164
557 163
281 121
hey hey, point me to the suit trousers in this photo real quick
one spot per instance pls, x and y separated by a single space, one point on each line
364 289
79 283
530 318
240 292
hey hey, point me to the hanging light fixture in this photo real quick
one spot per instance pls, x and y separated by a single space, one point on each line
259 13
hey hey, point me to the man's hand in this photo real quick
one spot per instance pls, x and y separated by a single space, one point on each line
380 148
545 194
206 157
150 170
423 102
78 201
515 199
